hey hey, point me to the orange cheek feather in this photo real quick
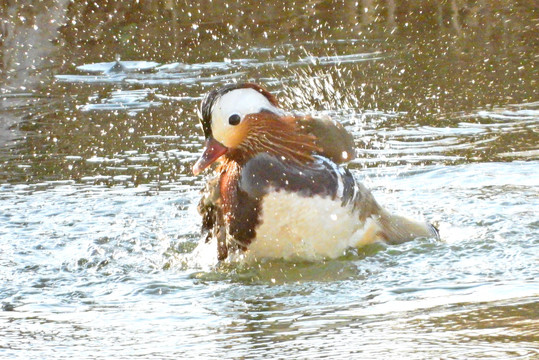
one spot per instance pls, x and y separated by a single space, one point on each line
234 136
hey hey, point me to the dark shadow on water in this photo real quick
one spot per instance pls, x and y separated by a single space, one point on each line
378 66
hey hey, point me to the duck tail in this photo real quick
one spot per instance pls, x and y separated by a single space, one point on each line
398 229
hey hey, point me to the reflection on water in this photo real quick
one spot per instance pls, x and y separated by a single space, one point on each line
99 130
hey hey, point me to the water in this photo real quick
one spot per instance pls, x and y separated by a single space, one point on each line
98 205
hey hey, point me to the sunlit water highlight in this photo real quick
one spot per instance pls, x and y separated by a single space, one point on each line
92 262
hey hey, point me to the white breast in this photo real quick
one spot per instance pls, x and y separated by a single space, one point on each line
308 228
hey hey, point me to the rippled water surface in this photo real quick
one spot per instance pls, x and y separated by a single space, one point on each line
98 215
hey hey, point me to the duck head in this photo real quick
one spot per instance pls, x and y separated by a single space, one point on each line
239 120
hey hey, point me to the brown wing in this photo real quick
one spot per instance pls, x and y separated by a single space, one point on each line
336 143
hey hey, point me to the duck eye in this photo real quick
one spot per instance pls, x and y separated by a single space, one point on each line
234 119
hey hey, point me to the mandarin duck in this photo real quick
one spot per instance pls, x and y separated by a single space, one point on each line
280 191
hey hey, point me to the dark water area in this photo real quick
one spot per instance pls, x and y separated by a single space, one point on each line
99 130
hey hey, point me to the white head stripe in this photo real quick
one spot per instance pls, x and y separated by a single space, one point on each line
242 102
